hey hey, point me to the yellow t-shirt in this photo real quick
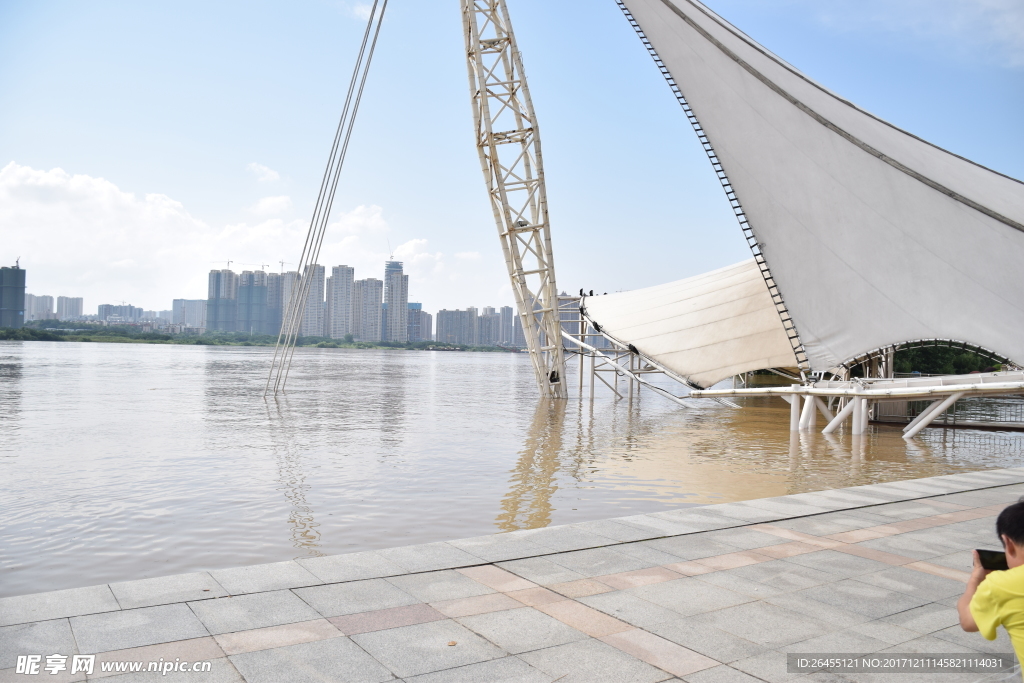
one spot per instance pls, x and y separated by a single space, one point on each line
999 600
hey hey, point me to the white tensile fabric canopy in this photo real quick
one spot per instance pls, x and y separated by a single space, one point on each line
704 328
874 236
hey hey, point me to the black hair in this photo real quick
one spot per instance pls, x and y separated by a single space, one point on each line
1010 522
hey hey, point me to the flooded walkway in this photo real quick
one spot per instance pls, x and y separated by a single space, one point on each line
701 594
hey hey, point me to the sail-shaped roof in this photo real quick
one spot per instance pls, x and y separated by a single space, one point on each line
873 235
704 328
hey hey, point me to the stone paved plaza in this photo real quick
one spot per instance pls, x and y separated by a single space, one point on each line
717 593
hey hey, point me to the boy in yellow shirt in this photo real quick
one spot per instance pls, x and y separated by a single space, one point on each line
995 598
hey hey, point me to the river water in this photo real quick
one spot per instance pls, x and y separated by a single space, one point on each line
125 461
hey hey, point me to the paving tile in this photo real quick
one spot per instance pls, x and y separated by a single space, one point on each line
336 659
791 535
276 636
872 554
742 538
737 584
788 508
423 648
36 638
916 583
258 578
566 538
702 517
857 596
859 535
23 609
379 620
12 676
351 567
939 570
767 625
630 609
915 549
221 671
733 560
583 618
535 596
743 512
446 584
692 547
481 604
697 634
496 578
975 641
690 568
541 570
666 525
837 641
622 533
931 645
96 633
591 661
889 634
194 650
429 557
791 549
522 630
256 610
720 674
925 619
598 561
909 510
504 670
640 577
339 599
784 576
499 547
768 666
646 553
659 652
581 588
165 590
839 565
688 596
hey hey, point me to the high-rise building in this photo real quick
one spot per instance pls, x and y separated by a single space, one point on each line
507 326
119 313
69 307
252 302
339 302
518 338
458 327
313 311
38 307
420 327
367 300
189 312
12 296
279 292
396 296
222 301
490 327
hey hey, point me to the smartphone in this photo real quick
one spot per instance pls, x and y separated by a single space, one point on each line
993 559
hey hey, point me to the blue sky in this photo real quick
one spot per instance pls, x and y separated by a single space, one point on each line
143 143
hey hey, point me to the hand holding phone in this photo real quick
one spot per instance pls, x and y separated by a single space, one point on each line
992 560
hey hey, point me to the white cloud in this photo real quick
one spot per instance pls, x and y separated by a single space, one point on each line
272 205
992 30
362 11
83 236
263 173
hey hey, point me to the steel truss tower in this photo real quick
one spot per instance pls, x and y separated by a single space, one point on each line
509 145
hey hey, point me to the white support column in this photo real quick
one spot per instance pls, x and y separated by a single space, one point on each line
794 413
923 414
823 409
858 416
932 414
838 419
865 414
807 414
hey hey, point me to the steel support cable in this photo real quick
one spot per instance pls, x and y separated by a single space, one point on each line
291 322
788 324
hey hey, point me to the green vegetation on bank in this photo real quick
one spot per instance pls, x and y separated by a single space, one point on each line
944 360
54 330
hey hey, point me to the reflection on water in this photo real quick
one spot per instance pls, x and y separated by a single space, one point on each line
127 461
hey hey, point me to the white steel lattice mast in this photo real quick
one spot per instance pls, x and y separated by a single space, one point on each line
509 145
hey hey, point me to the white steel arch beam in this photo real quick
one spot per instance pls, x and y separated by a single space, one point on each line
509 145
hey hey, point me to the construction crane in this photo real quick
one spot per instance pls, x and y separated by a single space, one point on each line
508 141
